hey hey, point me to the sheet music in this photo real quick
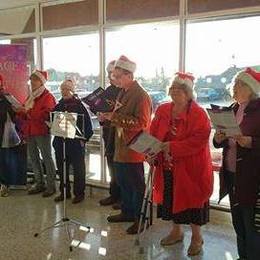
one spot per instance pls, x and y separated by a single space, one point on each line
225 121
64 124
146 144
13 101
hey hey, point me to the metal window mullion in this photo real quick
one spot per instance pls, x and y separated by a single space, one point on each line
102 81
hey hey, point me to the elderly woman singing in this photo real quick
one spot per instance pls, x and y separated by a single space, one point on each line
240 173
183 180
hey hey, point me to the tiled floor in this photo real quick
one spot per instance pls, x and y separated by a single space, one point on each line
21 216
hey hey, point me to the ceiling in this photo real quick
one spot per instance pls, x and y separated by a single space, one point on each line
14 3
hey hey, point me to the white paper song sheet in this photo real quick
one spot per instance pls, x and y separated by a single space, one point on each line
64 124
224 121
146 144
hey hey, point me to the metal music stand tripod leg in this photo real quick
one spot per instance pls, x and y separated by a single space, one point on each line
65 221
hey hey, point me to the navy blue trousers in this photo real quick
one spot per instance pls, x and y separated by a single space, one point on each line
130 177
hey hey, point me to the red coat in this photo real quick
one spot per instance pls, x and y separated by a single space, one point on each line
192 166
34 120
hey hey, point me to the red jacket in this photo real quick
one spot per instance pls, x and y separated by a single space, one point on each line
34 120
192 166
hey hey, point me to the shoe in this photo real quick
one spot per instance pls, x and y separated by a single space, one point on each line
116 206
47 193
119 218
4 191
195 248
35 190
132 230
107 201
61 197
170 240
78 199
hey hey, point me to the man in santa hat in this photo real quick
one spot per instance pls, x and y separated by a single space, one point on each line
109 141
74 148
35 113
131 115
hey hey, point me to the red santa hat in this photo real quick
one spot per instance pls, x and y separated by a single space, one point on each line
251 78
42 75
124 63
111 66
69 84
184 78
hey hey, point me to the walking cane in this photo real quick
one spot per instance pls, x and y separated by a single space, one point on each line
146 209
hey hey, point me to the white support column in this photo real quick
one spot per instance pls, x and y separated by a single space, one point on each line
182 42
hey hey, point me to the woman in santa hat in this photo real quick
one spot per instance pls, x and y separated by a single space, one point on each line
183 180
35 113
240 173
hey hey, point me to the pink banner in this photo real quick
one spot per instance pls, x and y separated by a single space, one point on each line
13 68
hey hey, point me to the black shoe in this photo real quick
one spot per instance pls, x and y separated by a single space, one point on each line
119 218
47 193
35 190
107 201
78 199
61 197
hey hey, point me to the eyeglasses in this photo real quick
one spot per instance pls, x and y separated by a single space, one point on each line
118 76
176 89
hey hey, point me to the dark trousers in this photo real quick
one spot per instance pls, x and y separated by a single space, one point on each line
5 165
248 240
130 178
75 156
13 165
114 188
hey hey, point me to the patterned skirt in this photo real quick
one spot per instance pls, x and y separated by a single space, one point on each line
197 216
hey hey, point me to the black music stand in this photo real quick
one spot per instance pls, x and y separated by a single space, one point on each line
63 124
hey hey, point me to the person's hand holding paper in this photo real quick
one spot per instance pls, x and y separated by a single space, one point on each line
219 136
244 141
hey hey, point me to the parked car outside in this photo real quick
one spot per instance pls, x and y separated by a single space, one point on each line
209 94
156 97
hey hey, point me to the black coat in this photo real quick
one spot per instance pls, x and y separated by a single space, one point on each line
108 130
5 107
74 105
247 176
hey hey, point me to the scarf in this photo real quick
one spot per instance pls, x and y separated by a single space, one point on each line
29 103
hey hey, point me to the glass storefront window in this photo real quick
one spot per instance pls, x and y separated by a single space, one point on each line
155 49
215 52
76 56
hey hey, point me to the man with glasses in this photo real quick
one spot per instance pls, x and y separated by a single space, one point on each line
131 115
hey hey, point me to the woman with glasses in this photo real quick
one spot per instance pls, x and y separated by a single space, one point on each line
183 180
240 173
